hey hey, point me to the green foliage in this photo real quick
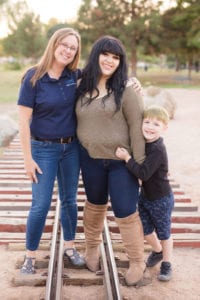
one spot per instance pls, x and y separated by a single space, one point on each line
26 38
53 28
144 29
136 23
9 84
15 65
3 2
182 32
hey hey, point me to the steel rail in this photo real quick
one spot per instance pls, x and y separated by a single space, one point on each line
60 266
50 284
109 266
106 276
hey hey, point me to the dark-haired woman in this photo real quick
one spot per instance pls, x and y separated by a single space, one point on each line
109 114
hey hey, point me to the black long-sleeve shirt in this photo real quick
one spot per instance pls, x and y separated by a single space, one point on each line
153 171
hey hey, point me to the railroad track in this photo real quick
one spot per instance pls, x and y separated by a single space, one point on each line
55 278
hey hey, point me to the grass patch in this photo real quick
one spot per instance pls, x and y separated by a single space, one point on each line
168 78
10 81
9 84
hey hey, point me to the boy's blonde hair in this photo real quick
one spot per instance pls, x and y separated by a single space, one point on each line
158 112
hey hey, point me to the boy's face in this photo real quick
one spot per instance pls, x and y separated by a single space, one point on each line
152 129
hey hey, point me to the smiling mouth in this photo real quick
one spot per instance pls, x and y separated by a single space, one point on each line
107 66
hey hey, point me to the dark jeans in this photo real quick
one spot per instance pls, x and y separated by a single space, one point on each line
107 177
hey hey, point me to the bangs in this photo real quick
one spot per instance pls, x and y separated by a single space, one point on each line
158 112
112 46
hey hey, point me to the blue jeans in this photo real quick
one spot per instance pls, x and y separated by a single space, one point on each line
61 161
107 177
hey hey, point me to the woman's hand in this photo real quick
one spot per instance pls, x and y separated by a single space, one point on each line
32 168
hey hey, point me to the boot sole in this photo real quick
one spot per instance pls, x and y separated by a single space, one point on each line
140 283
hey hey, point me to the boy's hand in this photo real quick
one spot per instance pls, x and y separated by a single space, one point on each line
122 153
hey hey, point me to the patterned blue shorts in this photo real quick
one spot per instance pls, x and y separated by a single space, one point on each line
156 215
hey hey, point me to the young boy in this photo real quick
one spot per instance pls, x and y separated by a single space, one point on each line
156 198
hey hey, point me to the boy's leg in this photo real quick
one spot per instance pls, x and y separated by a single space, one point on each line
167 246
156 255
166 268
156 220
164 234
153 241
150 236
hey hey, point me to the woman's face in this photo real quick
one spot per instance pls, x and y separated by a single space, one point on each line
108 63
66 50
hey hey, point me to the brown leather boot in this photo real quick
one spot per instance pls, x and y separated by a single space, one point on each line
133 238
93 221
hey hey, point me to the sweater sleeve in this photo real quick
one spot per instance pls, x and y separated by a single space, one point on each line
133 106
149 166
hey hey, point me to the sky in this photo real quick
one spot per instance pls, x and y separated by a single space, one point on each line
60 9
63 10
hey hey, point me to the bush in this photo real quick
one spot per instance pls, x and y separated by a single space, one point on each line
15 65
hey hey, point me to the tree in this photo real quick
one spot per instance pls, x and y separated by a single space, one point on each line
131 21
2 9
181 32
26 36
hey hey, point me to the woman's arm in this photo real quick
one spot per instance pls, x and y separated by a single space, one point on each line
133 106
25 114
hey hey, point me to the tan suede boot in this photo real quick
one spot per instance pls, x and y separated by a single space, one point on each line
132 235
93 221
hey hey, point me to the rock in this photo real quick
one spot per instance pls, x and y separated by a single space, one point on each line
8 129
159 96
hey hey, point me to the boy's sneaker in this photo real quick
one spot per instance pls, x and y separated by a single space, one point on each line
165 271
154 258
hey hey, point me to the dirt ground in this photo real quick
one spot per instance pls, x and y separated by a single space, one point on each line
183 143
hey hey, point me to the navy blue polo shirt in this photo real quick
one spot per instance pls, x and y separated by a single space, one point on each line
53 104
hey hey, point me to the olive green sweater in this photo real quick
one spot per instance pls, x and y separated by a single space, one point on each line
101 130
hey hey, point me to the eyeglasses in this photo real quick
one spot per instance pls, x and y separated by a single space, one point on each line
72 48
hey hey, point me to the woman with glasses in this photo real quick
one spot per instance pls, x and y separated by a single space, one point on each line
47 127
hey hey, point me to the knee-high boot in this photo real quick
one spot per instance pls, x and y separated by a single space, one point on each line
132 235
93 221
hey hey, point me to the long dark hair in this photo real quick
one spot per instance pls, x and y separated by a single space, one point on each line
91 73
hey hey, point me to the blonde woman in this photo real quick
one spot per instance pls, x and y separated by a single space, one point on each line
47 126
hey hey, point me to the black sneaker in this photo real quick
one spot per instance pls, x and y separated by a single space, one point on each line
165 271
154 258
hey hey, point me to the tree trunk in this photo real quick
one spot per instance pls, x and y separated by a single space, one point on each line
177 66
190 68
133 60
